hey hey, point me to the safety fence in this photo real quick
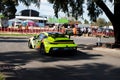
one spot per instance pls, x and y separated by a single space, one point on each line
38 30
28 31
103 34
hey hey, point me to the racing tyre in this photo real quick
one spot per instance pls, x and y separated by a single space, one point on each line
42 49
30 45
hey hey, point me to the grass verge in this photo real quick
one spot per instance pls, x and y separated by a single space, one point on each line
17 34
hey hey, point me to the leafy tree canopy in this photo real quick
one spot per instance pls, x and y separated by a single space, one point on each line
86 22
76 7
8 7
101 22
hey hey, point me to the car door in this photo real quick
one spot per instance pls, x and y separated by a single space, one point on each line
39 39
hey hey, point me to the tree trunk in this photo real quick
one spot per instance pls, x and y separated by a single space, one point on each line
117 33
114 18
116 22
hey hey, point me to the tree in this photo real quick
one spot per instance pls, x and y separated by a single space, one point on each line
109 23
8 7
95 8
101 22
86 22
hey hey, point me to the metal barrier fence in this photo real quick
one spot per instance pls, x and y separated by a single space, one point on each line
28 31
103 34
38 30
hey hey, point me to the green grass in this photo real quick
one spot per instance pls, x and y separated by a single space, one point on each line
17 34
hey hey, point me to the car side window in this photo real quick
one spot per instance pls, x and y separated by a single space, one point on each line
42 36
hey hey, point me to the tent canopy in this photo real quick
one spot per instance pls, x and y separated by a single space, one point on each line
55 20
15 20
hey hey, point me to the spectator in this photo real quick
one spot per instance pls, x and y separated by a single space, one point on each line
82 30
107 32
58 28
63 29
26 27
54 27
74 31
68 26
89 31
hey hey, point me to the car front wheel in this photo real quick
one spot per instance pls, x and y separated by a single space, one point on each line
30 45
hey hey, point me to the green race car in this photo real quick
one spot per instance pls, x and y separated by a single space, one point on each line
49 42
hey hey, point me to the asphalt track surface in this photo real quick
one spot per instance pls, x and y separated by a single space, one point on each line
18 62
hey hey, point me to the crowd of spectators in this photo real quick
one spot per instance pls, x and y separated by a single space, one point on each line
72 29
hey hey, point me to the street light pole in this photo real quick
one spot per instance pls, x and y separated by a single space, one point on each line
30 10
30 13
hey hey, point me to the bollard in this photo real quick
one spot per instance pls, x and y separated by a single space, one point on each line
99 41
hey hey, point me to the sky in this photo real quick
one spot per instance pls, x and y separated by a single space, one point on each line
46 9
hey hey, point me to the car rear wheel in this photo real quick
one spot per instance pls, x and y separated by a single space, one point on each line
42 49
30 45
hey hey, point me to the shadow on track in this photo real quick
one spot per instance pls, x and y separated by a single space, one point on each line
13 40
93 71
23 57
